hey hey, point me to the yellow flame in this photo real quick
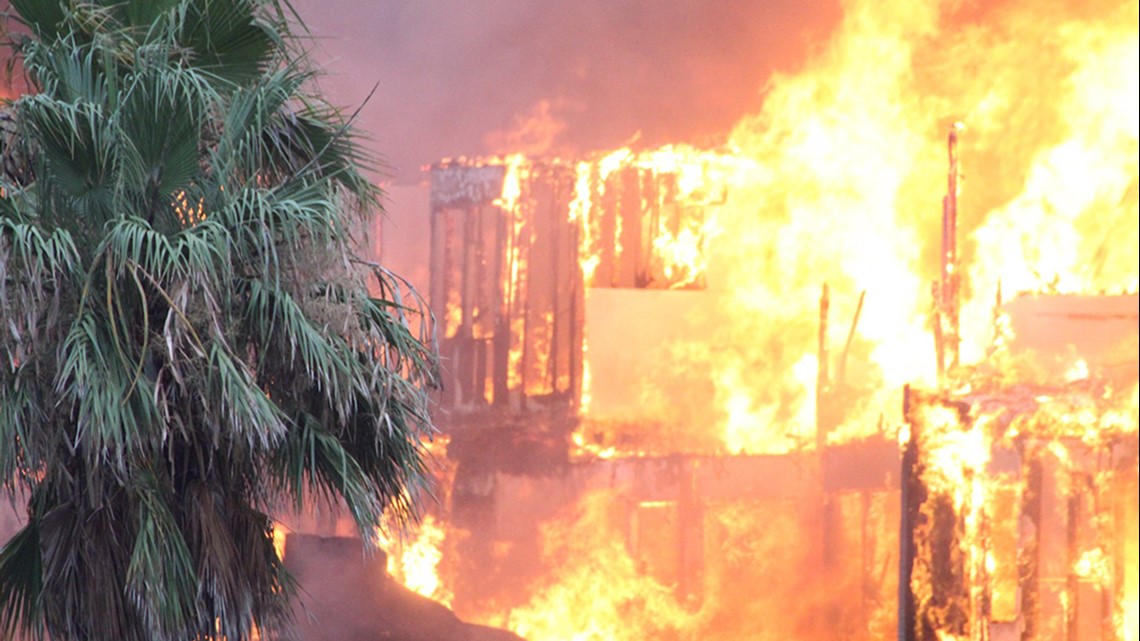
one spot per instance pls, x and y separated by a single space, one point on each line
1094 565
415 563
837 178
279 536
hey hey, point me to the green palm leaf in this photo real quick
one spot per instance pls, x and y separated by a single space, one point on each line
187 338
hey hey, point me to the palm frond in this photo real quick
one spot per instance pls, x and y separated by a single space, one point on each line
72 73
226 38
314 462
161 579
97 380
239 570
249 111
77 143
315 139
160 119
278 319
85 553
141 15
236 406
187 337
44 18
21 584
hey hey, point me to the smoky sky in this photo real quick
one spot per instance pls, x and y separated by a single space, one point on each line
449 74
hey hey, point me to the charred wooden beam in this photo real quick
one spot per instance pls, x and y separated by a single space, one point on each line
1030 557
931 533
841 369
912 495
501 348
950 267
822 383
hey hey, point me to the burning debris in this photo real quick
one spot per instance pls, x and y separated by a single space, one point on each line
1020 496
517 242
1020 515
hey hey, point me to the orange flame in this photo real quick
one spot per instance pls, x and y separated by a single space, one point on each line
415 563
837 179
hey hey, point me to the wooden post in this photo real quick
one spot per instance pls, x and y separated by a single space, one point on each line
465 348
946 295
577 295
1029 571
841 370
557 222
911 497
822 384
501 348
605 274
1072 581
522 290
484 303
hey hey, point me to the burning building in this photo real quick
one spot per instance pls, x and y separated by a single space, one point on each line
644 433
1015 489
544 275
772 390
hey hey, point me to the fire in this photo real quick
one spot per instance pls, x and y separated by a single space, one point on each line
1127 620
514 272
592 450
532 134
972 537
599 594
681 186
956 457
834 185
1094 566
834 180
279 538
605 585
415 563
188 213
416 551
1078 372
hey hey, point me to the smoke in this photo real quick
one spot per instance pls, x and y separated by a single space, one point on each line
449 74
533 134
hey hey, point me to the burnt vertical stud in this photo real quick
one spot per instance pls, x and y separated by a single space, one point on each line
911 496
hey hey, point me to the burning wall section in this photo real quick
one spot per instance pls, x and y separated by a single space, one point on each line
1019 496
505 284
658 519
517 242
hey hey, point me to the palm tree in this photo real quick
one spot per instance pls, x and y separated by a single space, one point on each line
188 341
